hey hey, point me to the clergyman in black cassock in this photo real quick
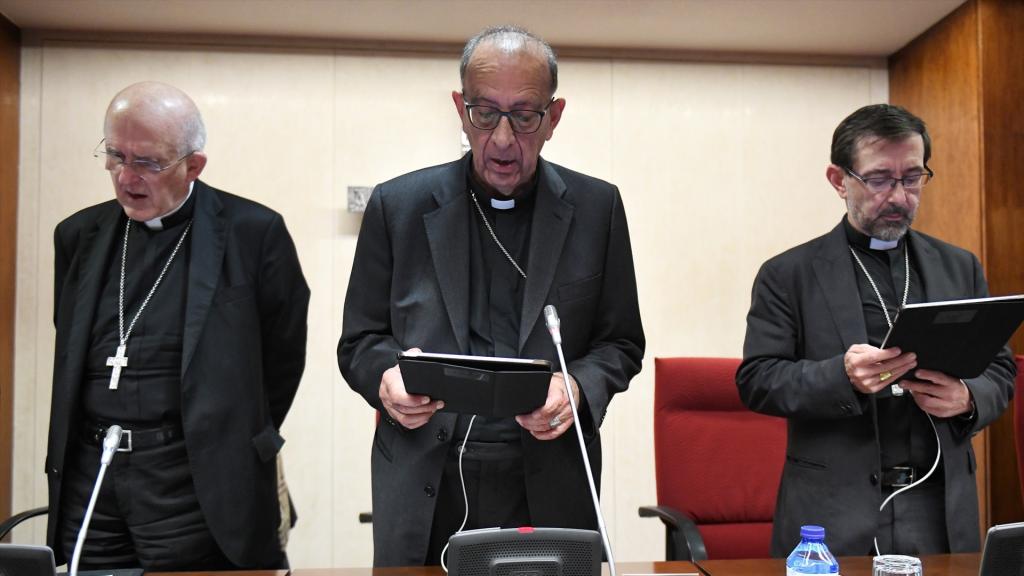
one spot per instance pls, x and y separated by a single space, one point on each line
180 313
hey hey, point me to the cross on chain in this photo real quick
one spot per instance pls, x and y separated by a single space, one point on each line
117 361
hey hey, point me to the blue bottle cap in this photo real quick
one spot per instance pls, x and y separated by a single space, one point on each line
812 532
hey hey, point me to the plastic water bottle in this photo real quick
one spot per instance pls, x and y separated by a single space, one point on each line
811 555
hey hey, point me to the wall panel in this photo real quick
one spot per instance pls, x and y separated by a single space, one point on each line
10 65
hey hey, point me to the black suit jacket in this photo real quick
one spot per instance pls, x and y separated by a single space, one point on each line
243 354
805 313
410 287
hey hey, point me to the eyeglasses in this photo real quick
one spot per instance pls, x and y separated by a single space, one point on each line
114 159
882 184
522 121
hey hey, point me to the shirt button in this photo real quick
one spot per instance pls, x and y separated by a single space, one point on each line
442 435
429 490
874 479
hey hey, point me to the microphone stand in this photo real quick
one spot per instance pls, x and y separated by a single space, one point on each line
111 442
553 324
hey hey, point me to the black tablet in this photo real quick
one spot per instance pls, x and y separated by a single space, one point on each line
957 337
479 385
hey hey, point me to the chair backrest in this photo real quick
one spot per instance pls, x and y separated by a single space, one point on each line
1018 419
715 460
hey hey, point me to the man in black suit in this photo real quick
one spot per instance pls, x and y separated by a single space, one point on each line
818 316
181 316
461 258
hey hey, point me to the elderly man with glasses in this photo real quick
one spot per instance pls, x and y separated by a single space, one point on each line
863 457
181 316
461 258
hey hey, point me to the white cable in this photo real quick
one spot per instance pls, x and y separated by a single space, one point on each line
465 499
938 456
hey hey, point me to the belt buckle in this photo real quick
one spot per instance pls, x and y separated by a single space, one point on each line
125 434
907 472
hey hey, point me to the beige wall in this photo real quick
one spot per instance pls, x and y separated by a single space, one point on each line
720 166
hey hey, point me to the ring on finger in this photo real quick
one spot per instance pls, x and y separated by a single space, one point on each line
555 422
883 376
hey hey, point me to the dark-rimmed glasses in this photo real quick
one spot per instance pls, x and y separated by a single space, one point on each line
522 121
114 159
882 184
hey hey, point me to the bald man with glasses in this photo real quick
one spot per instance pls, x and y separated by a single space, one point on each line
180 312
461 258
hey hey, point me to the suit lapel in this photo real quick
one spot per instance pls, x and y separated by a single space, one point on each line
924 258
447 236
551 219
205 256
835 275
96 247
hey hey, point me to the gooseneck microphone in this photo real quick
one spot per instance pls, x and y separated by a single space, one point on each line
554 325
111 442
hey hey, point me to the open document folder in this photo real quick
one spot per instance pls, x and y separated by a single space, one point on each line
478 384
957 337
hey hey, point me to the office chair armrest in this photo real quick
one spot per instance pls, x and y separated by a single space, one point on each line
9 524
682 539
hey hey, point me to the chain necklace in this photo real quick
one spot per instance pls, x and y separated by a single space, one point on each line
897 390
495 236
120 360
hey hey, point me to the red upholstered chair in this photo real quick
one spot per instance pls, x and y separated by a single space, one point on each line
717 464
1018 418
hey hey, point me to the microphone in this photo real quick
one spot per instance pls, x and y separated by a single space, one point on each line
554 324
111 442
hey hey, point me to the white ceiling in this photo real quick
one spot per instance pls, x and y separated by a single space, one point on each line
861 28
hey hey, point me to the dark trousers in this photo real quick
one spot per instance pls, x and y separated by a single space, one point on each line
914 522
495 487
146 515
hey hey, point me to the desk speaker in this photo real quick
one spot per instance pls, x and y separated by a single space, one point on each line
18 560
1004 551
525 552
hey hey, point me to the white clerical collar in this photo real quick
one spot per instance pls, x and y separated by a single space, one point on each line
158 224
877 244
503 204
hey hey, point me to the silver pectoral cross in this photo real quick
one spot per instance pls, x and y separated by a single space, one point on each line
117 361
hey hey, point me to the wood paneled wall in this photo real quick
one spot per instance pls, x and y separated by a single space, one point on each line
10 58
965 78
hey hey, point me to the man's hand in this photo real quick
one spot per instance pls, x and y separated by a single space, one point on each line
555 417
939 394
871 369
409 410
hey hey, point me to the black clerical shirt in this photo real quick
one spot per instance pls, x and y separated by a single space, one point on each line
905 435
149 391
496 291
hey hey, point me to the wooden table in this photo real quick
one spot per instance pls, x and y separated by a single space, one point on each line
942 565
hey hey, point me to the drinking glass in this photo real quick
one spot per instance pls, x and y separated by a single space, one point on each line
896 565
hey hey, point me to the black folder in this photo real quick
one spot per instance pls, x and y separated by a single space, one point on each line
957 337
478 385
